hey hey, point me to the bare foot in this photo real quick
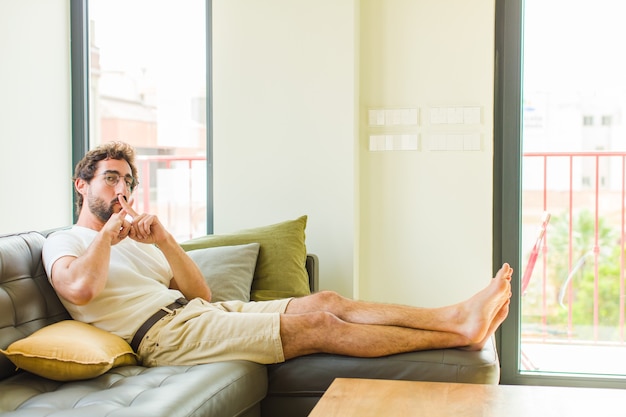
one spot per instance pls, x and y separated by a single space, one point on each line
477 314
497 321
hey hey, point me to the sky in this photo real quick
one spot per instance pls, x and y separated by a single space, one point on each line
575 45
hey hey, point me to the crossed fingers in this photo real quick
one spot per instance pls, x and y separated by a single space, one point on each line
140 224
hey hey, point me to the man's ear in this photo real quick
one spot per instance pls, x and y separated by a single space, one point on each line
81 186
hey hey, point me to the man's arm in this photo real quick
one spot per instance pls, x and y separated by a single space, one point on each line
188 279
80 279
187 276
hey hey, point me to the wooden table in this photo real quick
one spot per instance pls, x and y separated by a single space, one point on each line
376 398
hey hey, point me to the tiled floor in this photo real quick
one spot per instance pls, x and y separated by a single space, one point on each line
575 358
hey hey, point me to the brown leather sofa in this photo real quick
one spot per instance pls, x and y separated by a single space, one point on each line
235 388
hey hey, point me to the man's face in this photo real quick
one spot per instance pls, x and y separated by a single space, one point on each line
102 194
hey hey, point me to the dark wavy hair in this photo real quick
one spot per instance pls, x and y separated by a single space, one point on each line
86 168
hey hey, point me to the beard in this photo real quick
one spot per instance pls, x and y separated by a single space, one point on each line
100 208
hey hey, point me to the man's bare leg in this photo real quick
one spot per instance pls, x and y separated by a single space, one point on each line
304 334
327 322
321 332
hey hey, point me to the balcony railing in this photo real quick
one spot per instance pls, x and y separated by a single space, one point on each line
175 189
576 293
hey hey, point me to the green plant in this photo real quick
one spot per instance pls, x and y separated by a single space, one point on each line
573 279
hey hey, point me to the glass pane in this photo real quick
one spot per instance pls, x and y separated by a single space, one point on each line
148 88
574 167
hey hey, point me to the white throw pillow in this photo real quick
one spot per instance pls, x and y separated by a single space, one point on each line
228 270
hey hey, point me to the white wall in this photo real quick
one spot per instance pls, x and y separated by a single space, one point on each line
35 121
426 232
411 227
284 122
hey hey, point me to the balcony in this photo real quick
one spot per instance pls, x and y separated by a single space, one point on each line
573 308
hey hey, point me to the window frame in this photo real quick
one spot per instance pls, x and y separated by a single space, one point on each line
507 201
79 54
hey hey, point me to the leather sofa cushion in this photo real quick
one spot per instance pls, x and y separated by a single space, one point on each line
295 386
226 388
27 300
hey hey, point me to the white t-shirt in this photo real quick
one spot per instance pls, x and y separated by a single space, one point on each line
137 286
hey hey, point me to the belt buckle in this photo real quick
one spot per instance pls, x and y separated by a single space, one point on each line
167 310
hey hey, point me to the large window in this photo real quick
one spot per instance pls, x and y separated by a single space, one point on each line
560 148
141 75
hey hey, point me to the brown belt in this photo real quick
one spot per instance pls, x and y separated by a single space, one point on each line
143 329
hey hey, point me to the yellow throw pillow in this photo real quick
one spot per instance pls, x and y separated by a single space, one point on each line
280 268
70 350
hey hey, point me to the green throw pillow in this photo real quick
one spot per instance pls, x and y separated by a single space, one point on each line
280 269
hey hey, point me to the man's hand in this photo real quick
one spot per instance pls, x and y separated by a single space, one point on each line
144 228
117 227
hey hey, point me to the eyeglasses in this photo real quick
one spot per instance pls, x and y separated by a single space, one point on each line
112 178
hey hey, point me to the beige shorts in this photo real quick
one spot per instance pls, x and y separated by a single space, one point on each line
203 332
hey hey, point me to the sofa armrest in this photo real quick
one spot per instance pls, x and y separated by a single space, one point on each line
312 268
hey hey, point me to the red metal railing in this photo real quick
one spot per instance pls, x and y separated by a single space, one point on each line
185 218
565 184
